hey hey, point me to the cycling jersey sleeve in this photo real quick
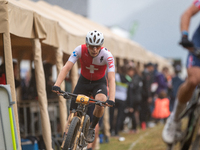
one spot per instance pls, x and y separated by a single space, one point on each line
197 3
75 55
110 63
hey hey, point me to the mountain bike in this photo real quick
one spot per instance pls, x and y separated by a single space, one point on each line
189 137
79 122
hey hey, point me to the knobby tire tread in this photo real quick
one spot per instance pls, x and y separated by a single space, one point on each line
72 132
86 125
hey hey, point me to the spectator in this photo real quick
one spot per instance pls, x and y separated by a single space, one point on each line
134 97
25 87
147 79
176 82
164 85
32 85
3 74
161 80
120 98
161 110
48 80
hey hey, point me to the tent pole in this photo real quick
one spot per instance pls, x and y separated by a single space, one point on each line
62 101
42 96
9 65
10 78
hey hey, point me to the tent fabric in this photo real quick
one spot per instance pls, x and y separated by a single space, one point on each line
3 17
77 26
71 28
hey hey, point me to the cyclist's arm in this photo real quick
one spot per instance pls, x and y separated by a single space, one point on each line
68 66
63 73
186 17
111 85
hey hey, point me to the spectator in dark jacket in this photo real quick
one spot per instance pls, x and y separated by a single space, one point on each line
176 82
134 97
147 79
120 104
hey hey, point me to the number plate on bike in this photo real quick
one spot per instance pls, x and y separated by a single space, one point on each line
82 99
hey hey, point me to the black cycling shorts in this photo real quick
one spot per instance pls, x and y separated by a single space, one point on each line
88 88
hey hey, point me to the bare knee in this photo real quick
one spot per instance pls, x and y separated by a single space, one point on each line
193 77
192 82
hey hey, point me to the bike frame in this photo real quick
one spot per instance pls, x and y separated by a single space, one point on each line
80 112
193 112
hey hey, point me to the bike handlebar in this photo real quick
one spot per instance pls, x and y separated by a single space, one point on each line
98 102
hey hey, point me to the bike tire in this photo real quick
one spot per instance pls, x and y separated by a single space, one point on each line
196 144
170 147
86 125
186 143
72 133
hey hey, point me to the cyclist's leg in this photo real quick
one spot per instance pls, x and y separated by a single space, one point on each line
99 92
184 94
186 90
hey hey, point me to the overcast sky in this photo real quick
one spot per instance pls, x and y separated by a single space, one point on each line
157 22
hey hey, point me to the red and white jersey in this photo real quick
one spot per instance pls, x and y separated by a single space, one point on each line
93 68
197 3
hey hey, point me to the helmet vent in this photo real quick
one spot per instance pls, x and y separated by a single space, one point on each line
94 38
98 41
90 40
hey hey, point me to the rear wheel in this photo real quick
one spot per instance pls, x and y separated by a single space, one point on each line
72 133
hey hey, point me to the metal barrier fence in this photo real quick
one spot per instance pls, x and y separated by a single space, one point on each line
30 118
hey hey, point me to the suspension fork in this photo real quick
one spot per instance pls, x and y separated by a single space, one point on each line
79 131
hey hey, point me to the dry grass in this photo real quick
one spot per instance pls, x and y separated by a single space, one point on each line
149 139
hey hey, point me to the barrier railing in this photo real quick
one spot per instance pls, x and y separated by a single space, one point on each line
30 118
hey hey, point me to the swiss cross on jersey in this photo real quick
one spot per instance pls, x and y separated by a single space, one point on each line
93 68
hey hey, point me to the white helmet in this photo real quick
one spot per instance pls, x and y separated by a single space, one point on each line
94 38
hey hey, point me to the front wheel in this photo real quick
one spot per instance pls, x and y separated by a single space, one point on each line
192 127
72 134
86 125
170 146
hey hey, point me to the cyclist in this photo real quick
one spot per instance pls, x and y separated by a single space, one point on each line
193 63
94 60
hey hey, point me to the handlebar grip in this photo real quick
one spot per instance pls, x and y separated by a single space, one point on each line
62 91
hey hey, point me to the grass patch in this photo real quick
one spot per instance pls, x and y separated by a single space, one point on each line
145 139
149 139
